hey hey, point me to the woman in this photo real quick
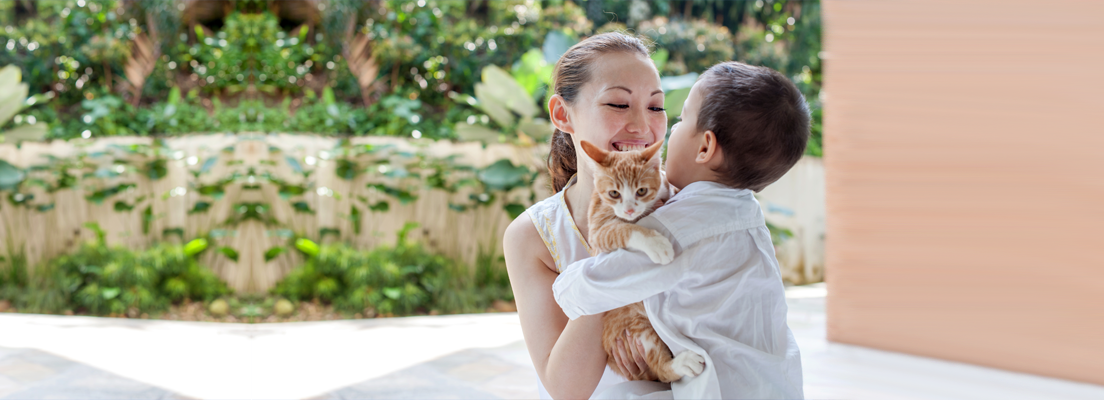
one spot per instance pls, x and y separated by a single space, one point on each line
607 92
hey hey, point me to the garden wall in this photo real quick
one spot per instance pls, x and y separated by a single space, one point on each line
204 192
795 203
461 235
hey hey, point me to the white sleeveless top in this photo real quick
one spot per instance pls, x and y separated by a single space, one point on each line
564 241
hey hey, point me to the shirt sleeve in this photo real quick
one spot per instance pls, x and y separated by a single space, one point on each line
615 279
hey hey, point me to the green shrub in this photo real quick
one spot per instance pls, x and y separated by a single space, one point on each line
100 280
402 279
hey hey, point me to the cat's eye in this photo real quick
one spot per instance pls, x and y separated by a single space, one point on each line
614 194
642 191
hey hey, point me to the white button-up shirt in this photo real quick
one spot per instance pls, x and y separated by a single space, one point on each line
721 297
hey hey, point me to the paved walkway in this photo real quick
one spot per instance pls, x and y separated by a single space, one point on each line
455 357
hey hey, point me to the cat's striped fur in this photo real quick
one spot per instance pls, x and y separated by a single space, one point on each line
628 185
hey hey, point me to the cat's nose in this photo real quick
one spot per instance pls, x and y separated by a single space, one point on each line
629 211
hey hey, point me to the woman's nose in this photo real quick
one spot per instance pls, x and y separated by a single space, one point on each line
637 122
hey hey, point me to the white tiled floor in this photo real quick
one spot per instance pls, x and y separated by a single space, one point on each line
466 356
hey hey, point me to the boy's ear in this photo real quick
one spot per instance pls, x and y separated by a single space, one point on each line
598 155
709 152
557 112
652 152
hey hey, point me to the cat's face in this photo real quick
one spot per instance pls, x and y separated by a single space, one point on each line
627 181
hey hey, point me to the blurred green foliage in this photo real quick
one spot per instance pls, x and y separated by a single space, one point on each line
399 280
258 65
100 280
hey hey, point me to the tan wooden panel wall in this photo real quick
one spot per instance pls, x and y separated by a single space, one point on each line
965 181
459 235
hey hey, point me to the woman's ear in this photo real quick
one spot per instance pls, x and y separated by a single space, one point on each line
709 151
557 111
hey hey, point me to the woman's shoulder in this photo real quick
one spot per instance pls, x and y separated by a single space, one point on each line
547 206
523 239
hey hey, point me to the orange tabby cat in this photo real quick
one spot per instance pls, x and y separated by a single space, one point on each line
627 186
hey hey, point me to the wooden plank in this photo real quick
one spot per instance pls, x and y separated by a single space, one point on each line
965 181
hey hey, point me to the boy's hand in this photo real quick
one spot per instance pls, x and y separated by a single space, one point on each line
631 357
656 246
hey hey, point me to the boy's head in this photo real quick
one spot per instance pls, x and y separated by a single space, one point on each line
741 125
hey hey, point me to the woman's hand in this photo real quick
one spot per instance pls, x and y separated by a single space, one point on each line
631 357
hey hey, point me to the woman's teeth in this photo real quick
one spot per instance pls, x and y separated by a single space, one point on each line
628 147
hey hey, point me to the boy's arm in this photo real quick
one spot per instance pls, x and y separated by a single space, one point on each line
615 279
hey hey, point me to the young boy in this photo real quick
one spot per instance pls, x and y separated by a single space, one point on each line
742 127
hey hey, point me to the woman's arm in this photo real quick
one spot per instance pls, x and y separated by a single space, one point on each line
568 356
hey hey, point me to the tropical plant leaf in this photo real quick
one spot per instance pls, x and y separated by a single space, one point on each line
195 246
287 191
273 252
143 59
508 92
659 58
380 206
328 231
13 94
10 175
532 71
229 253
407 227
347 169
403 196
147 218
216 191
503 175
179 232
157 169
514 209
207 165
99 196
200 206
122 206
392 293
303 207
492 104
294 164
354 217
109 293
307 246
538 129
556 43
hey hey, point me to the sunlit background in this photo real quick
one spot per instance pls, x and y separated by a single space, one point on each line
301 160
278 161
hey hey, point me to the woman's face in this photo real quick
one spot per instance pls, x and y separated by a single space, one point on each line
621 107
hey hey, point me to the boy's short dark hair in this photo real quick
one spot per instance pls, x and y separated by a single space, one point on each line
760 119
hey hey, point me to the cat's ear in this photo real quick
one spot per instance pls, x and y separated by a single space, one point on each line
598 155
652 152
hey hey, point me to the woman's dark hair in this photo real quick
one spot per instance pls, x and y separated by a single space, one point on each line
761 121
571 73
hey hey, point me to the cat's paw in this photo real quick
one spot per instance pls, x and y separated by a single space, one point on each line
688 363
656 246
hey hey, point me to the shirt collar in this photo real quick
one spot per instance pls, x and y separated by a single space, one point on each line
708 188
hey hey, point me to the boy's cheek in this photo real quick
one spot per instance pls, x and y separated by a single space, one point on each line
674 173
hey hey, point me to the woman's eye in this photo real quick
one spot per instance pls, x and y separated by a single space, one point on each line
658 109
621 106
642 192
614 194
